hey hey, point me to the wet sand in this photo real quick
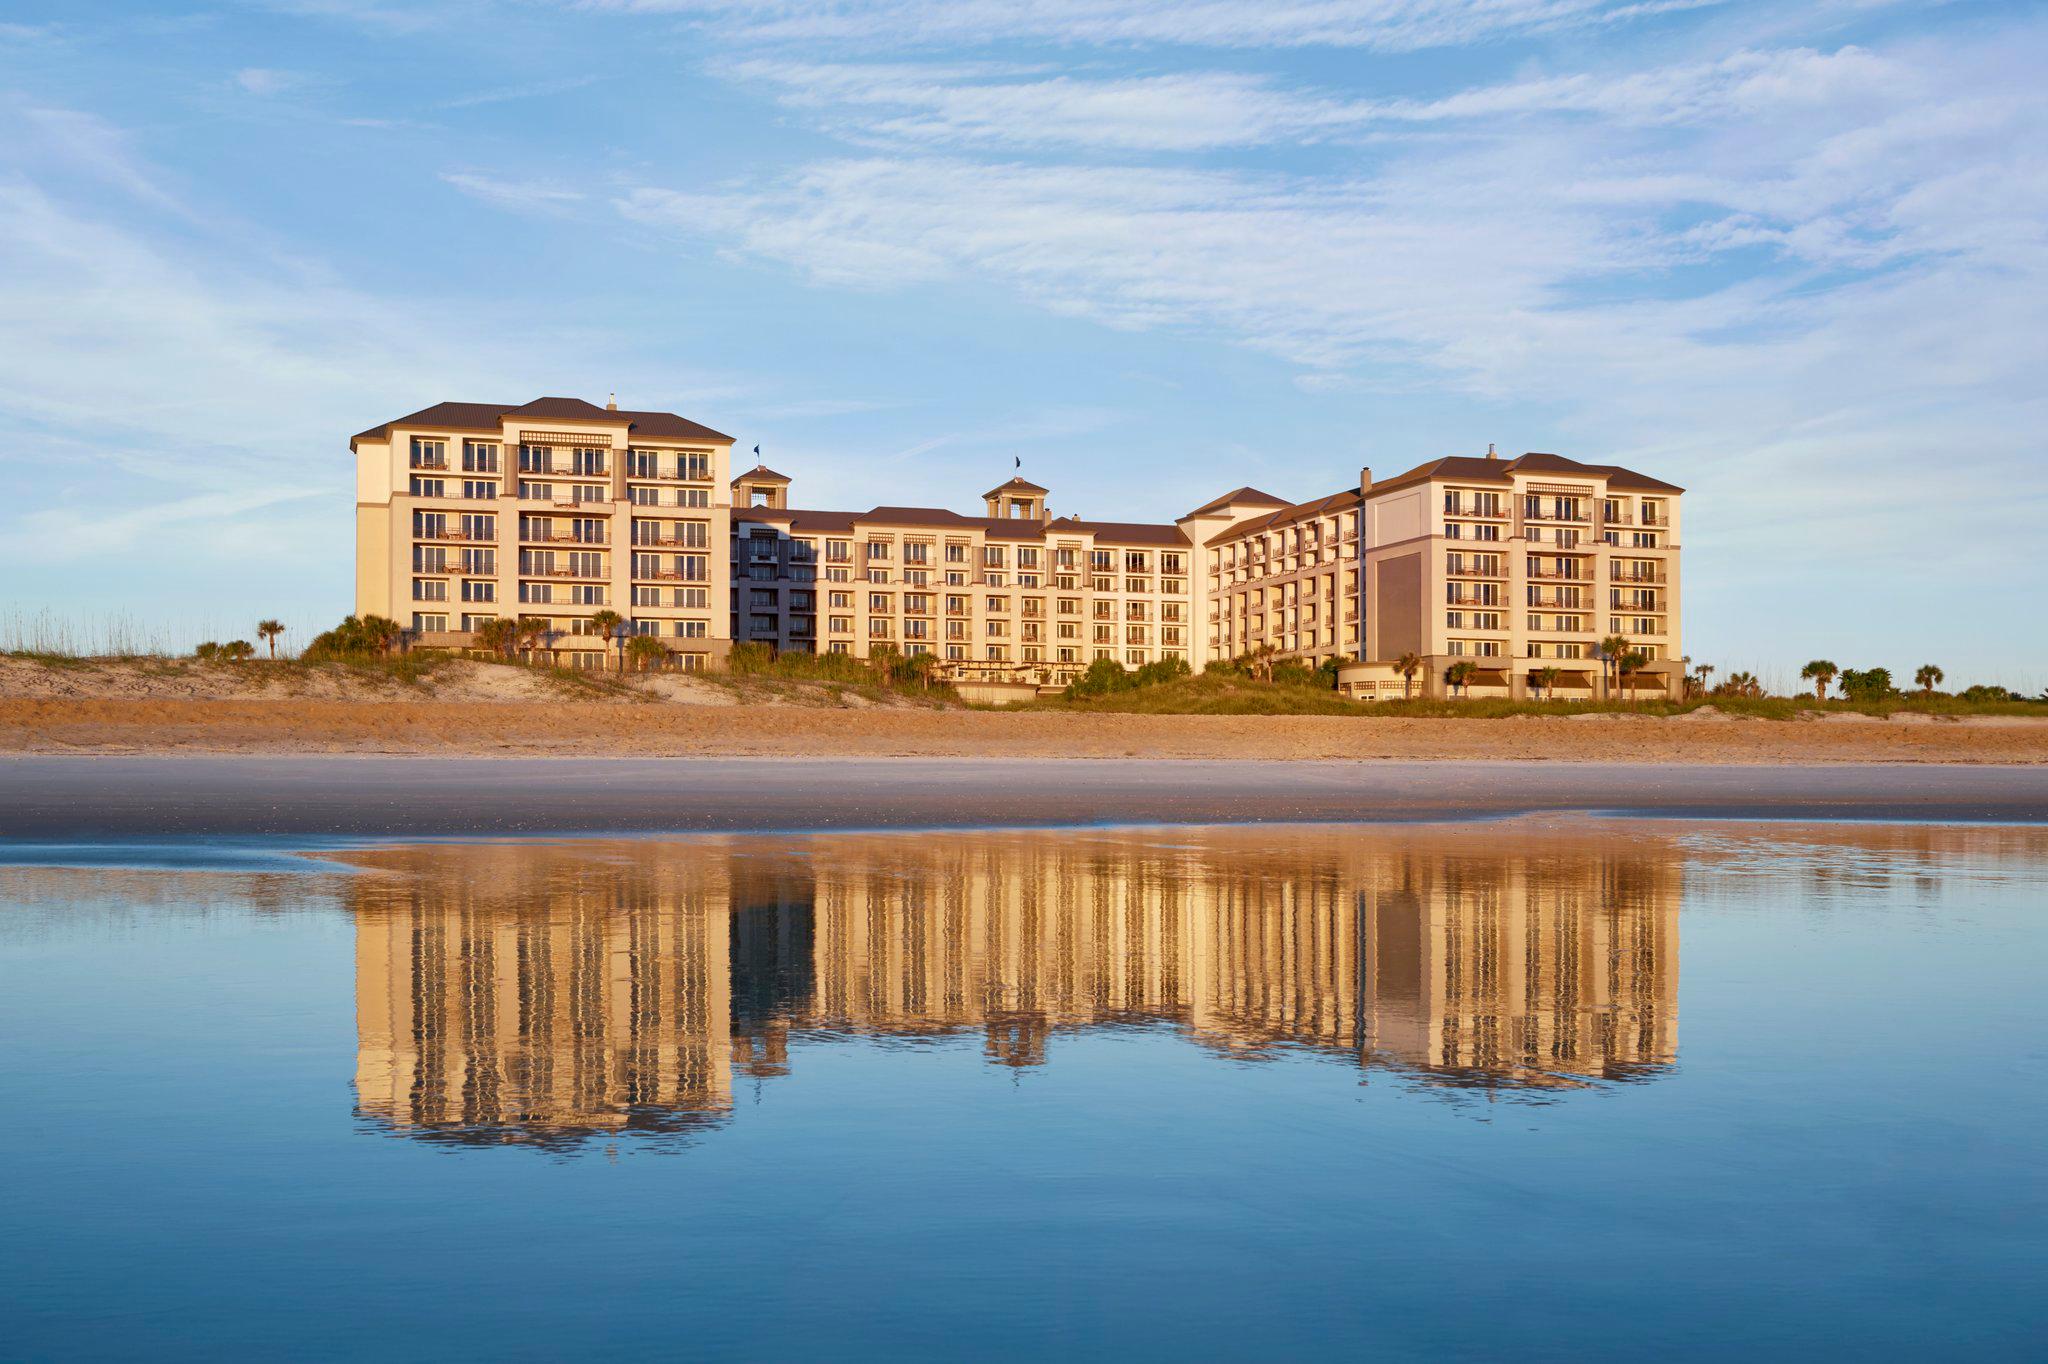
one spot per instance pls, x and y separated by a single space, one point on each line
46 799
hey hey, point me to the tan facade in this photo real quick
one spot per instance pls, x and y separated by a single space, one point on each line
554 510
1518 567
560 509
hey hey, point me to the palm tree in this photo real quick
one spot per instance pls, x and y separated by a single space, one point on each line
1705 671
1820 672
268 631
500 635
532 630
1407 665
1631 662
235 650
1610 649
644 650
1929 677
1262 660
1546 681
605 625
1459 673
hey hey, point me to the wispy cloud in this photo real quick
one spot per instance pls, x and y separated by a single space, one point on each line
518 196
1201 110
266 82
534 90
1386 25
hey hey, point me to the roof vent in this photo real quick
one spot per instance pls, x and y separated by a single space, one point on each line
1491 453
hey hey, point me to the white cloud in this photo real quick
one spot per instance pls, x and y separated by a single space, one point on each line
518 196
266 82
1197 110
1387 25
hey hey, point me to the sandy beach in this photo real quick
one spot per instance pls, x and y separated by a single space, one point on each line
45 799
605 728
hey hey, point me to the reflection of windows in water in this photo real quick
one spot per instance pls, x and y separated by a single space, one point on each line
547 994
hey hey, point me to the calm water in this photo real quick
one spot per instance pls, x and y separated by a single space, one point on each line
1547 1089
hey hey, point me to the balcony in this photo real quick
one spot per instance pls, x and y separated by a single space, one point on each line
1476 514
1555 518
1555 575
536 538
1488 602
1651 578
428 466
563 471
1470 572
454 537
599 576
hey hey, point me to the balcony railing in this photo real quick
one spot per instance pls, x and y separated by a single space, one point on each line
1471 572
525 572
528 537
1623 577
1553 575
564 471
1580 518
454 536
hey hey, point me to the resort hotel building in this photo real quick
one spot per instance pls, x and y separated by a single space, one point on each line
559 509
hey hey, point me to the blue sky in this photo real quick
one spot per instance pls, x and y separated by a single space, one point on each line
1792 257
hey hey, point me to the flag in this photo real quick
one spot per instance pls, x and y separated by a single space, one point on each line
1020 461
757 452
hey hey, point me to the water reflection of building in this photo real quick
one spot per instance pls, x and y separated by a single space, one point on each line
532 997
553 991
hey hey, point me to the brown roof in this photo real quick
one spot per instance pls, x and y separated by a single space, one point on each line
1126 532
1300 511
1234 496
490 417
761 473
1470 469
1019 485
940 519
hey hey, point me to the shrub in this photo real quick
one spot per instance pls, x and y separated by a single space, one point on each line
1104 675
355 638
207 652
1868 684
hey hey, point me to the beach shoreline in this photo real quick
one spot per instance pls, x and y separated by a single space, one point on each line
52 799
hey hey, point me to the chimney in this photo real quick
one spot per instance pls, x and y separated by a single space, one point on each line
1491 453
611 403
1365 481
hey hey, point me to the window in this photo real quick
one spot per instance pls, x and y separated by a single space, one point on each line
879 549
479 457
429 624
429 487
430 589
473 590
429 454
479 489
